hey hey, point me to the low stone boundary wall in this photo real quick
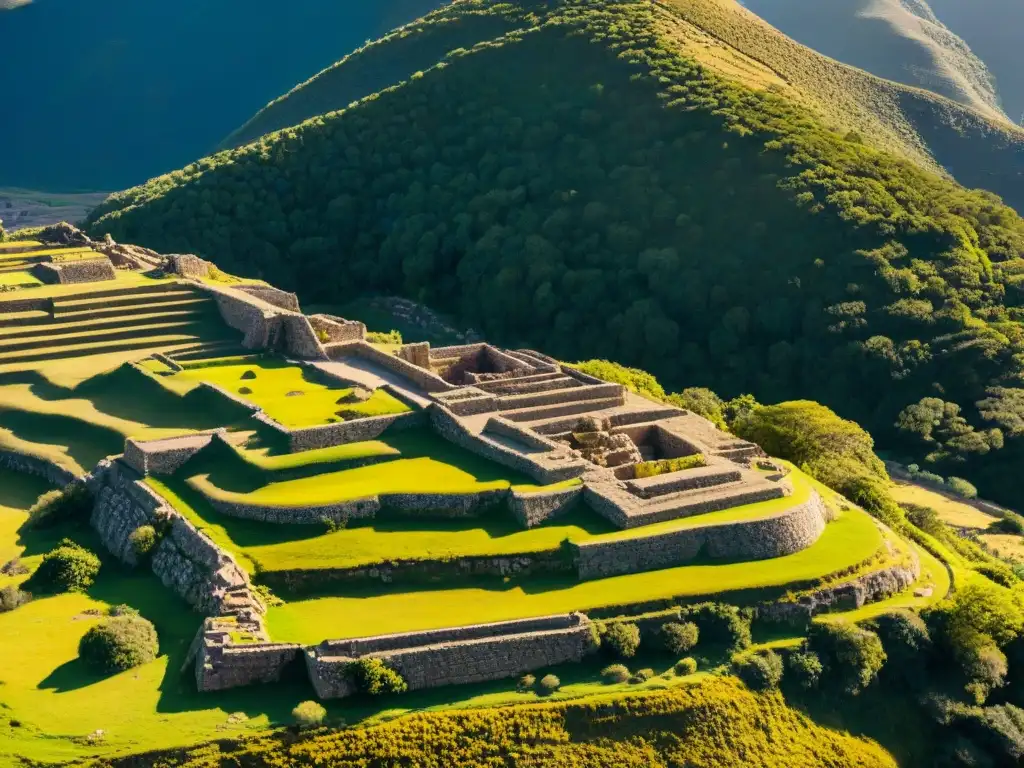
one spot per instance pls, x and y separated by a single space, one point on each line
33 465
448 505
561 396
356 509
684 480
164 457
300 339
424 379
254 318
499 426
26 305
76 272
577 409
532 509
468 401
337 329
791 531
451 429
222 664
355 431
286 301
308 582
456 656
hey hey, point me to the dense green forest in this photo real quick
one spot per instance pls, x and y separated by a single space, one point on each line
582 186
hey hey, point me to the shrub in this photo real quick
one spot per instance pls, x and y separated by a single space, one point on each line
248 375
986 667
549 684
526 683
685 666
805 667
11 597
374 677
720 624
244 391
143 539
309 714
73 502
615 673
679 638
323 336
664 466
907 642
122 610
931 478
760 671
851 656
118 644
1010 522
67 567
379 337
961 488
642 675
701 401
621 639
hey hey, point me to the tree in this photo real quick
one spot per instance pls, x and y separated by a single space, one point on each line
852 657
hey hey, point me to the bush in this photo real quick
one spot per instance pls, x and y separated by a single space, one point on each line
143 539
986 667
73 502
679 638
11 597
685 666
526 683
642 675
248 375
379 337
1010 522
760 671
244 391
67 567
805 668
309 714
664 466
118 644
851 656
122 610
549 684
374 677
961 488
615 673
621 639
907 643
720 624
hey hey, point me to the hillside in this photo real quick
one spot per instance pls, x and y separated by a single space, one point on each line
980 148
151 86
904 42
637 207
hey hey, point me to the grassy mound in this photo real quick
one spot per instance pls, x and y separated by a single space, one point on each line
636 207
681 726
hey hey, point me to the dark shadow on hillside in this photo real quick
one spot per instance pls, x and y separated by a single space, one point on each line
86 443
20 491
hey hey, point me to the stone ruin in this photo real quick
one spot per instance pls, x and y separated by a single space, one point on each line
592 438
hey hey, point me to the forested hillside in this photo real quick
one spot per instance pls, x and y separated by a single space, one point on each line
586 186
111 92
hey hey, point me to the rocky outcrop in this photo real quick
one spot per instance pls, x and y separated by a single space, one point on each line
65 235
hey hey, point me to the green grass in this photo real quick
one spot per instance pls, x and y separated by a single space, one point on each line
48 252
11 244
21 277
845 543
292 395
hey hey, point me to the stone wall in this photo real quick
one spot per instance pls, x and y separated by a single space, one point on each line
356 509
425 380
418 354
561 396
457 656
253 318
75 272
188 265
222 664
499 426
683 480
53 473
26 305
467 401
337 329
846 596
532 509
283 299
164 457
445 505
791 531
543 468
354 431
307 582
299 338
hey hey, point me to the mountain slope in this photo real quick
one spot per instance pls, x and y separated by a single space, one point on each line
897 40
148 86
587 185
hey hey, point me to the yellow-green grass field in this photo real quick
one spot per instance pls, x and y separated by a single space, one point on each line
9 245
20 277
290 394
77 426
846 542
962 514
43 252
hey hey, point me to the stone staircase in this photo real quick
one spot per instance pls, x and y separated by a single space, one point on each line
145 318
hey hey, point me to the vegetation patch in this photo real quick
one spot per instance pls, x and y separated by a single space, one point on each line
119 643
